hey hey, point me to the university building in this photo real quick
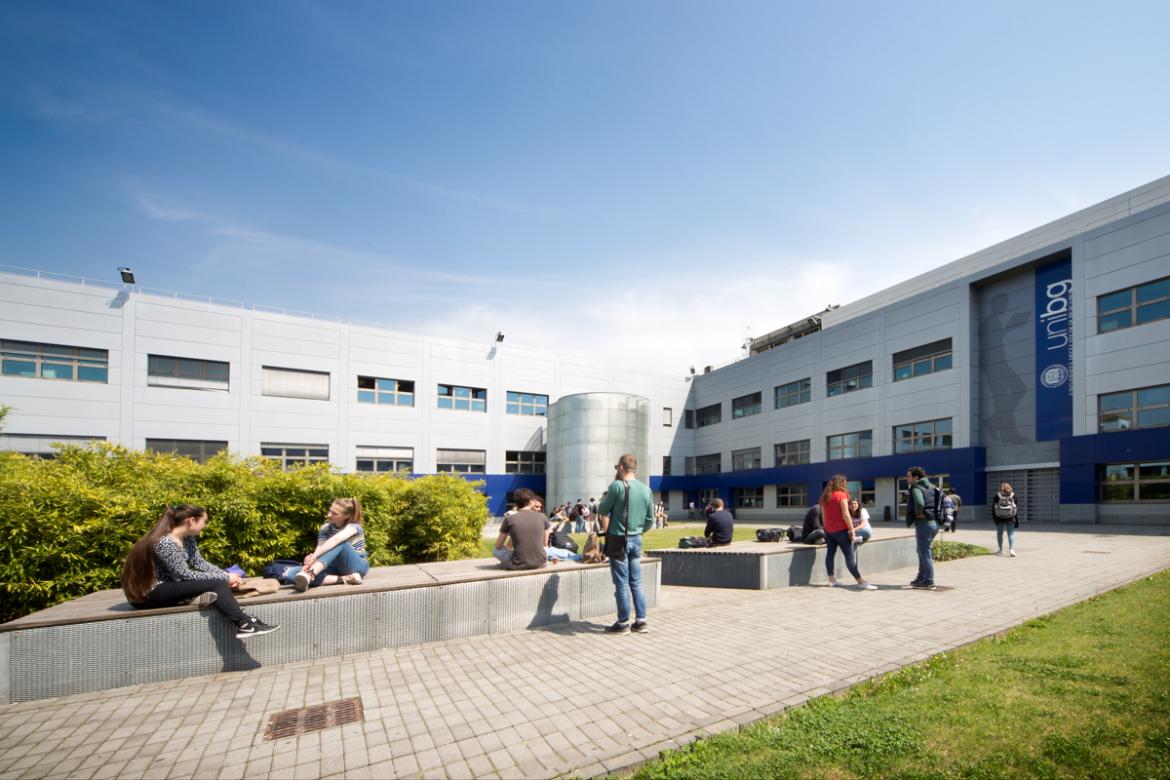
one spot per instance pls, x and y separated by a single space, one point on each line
1043 361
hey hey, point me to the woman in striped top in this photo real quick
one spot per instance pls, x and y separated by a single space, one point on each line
341 549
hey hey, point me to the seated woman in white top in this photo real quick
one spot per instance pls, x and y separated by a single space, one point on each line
861 528
341 549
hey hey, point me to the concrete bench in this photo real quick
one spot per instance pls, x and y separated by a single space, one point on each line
767 565
99 641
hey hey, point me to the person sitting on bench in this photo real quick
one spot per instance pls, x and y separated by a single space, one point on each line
165 569
860 518
528 531
813 531
341 549
720 525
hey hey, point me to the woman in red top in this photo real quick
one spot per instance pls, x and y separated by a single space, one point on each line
839 530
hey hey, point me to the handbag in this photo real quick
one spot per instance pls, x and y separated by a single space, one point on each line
615 546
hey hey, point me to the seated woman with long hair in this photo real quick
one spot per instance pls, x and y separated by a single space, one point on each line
341 549
164 569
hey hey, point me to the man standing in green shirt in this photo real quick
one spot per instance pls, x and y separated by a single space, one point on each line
920 513
627 493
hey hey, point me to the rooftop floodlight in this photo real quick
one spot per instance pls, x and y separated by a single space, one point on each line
499 336
692 370
127 275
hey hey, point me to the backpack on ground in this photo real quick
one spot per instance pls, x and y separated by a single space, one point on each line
691 542
769 534
561 539
592 552
1003 508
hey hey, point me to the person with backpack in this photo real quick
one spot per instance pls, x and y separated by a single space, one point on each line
956 505
923 510
1005 512
839 531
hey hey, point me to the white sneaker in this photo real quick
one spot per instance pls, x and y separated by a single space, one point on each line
301 581
999 552
1012 553
832 584
352 579
866 586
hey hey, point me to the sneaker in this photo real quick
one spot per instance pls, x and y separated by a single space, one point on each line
352 579
253 627
922 585
832 584
1012 553
640 627
999 552
301 581
204 599
915 583
618 628
866 586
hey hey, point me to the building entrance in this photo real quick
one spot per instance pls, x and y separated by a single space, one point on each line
1037 492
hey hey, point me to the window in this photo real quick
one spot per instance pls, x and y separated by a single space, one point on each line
689 465
666 465
292 383
461 461
1135 306
523 462
1146 408
666 500
793 393
526 404
863 490
388 392
465 399
748 498
850 378
790 495
849 445
923 360
709 464
189 373
791 453
940 481
742 460
667 417
1136 482
198 451
688 418
746 406
922 436
291 455
384 460
709 415
35 445
54 361
707 495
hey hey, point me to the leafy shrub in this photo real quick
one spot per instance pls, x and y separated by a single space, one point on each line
67 524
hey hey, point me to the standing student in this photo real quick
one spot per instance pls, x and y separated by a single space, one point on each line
1006 514
627 511
341 549
839 530
919 496
164 569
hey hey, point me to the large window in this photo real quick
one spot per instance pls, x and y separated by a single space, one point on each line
467 399
748 498
923 360
707 495
941 481
196 450
850 378
923 436
666 465
1145 408
791 495
526 404
849 445
291 455
1136 482
383 460
864 490
461 461
54 361
688 418
793 393
523 462
294 383
187 373
689 465
793 453
41 446
746 406
709 415
389 392
709 464
751 458
1134 306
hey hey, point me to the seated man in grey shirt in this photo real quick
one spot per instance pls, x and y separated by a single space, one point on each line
528 530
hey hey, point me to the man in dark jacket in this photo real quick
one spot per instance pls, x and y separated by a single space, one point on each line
720 525
919 511
813 531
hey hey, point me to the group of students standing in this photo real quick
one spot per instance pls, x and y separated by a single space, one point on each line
165 568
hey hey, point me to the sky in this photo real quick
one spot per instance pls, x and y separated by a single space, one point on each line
655 179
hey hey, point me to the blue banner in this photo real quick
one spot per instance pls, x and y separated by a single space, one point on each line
1054 379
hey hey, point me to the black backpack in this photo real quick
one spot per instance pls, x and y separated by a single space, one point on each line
795 533
769 534
561 539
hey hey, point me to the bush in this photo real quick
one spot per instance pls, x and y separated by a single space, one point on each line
67 524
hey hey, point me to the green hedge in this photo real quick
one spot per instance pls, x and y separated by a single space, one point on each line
67 524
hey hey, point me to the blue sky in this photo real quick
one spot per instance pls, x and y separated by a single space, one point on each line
675 172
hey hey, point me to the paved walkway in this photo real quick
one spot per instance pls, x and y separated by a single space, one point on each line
534 703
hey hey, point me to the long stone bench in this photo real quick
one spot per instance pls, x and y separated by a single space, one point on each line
99 641
767 565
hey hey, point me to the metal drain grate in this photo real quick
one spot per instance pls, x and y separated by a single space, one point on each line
315 718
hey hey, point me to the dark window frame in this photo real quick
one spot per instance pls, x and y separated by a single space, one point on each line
926 359
792 393
849 379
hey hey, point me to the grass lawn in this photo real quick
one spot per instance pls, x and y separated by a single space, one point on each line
1082 693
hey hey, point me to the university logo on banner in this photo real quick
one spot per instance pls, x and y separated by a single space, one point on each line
1054 387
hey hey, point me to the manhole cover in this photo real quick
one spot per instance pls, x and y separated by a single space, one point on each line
315 718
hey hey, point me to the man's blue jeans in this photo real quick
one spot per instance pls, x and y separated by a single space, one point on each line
924 533
341 560
627 579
